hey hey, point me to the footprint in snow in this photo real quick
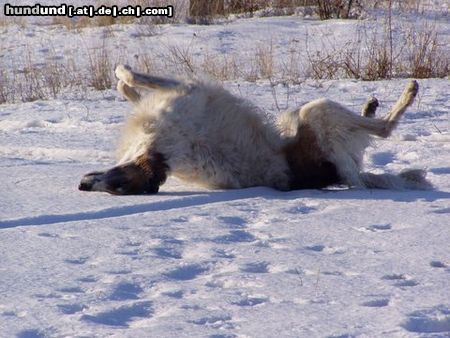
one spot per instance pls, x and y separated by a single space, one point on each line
76 261
215 321
235 236
401 280
300 209
221 253
170 248
375 228
186 272
233 221
438 264
121 316
251 301
325 249
181 219
71 289
133 253
431 320
87 279
382 302
48 234
442 211
409 282
126 291
31 333
379 227
174 294
345 335
257 267
119 272
70 309
317 248
383 158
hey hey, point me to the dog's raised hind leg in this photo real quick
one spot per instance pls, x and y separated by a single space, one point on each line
133 79
383 127
127 92
405 100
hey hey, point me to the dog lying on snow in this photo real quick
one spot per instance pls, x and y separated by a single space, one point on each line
199 132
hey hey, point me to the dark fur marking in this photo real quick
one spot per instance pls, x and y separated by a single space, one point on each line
144 175
309 167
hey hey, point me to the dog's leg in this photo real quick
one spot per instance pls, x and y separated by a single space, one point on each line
127 92
133 79
405 100
370 107
143 175
407 179
384 127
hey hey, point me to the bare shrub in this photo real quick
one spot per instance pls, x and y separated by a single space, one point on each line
426 57
181 58
5 86
100 68
265 62
403 5
180 11
373 55
146 63
202 11
242 6
323 63
29 80
292 67
368 57
328 9
221 67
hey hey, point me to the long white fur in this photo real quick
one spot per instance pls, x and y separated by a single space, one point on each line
208 136
218 140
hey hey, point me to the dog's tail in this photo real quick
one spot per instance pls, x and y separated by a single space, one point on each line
407 179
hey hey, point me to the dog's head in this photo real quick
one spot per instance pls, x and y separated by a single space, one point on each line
143 175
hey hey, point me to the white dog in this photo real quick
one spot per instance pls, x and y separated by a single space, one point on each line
199 132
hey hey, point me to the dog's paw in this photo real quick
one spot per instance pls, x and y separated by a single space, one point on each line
412 88
370 107
124 73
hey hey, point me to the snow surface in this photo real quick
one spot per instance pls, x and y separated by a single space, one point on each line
190 262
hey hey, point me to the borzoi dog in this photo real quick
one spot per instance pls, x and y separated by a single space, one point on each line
199 132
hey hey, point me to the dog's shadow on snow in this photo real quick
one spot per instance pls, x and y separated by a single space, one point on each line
196 198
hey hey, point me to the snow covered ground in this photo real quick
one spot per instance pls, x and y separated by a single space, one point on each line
190 262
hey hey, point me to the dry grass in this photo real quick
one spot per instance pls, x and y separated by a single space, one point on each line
369 55
328 9
23 79
181 59
264 59
400 51
5 87
100 68
426 56
221 67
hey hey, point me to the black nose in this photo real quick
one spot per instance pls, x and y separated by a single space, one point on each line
88 180
84 186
